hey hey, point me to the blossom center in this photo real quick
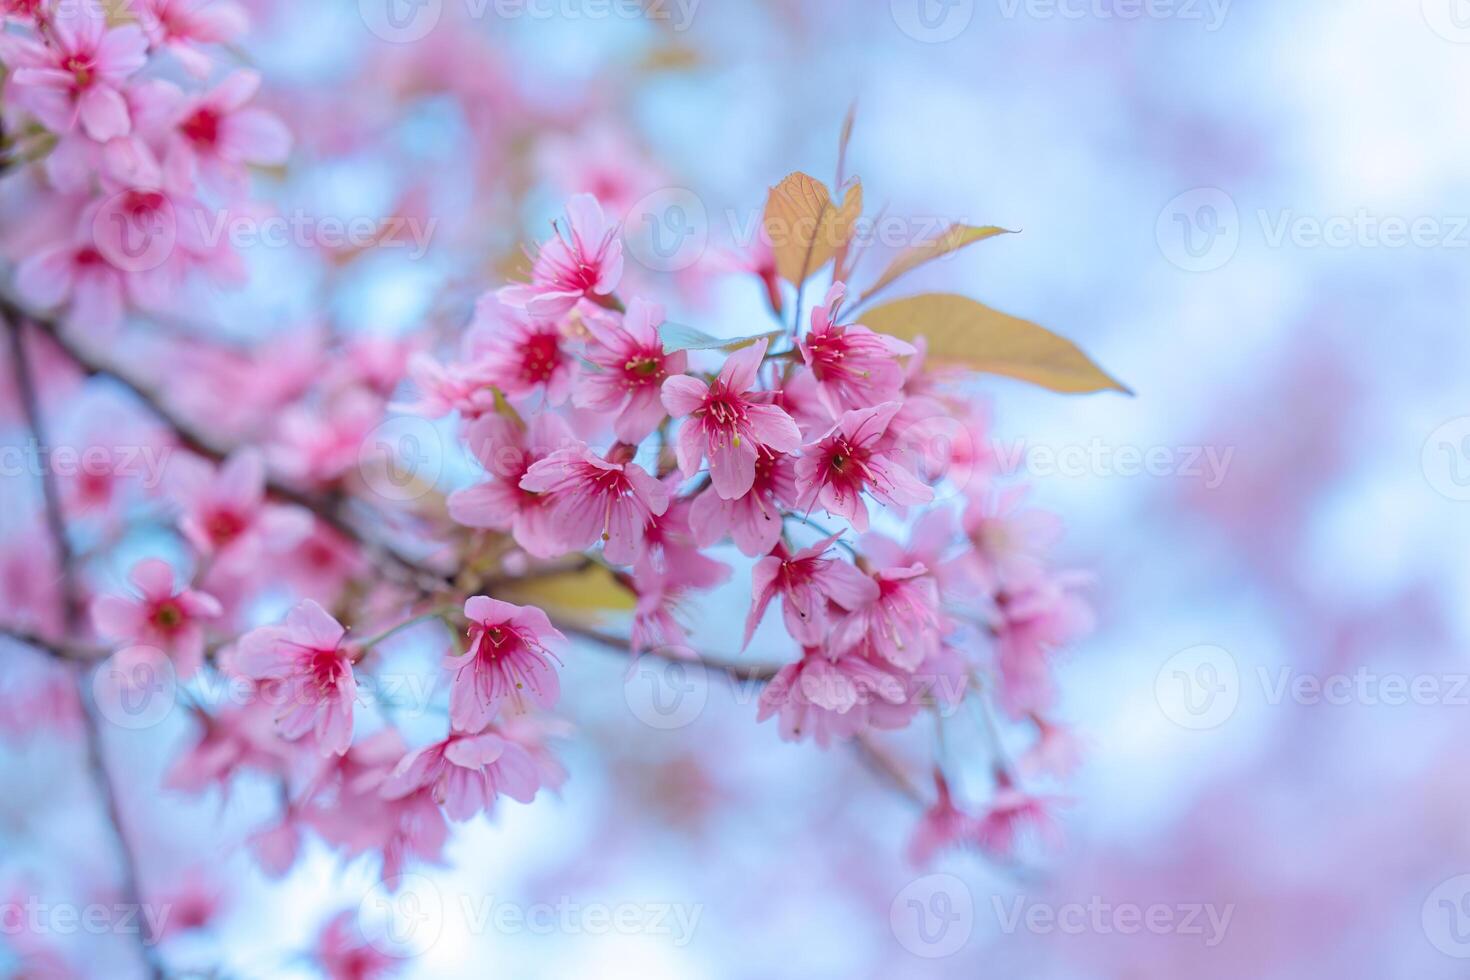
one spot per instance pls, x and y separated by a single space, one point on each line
540 358
168 615
202 127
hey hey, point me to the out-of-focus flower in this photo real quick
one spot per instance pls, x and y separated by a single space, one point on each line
314 686
161 616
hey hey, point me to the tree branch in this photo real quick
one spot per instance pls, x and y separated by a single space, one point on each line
72 618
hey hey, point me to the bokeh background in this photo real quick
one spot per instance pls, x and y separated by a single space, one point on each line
1254 214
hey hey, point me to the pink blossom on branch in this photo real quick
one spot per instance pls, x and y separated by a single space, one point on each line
809 584
633 368
592 499
307 674
509 661
77 76
162 616
854 458
583 261
465 773
728 422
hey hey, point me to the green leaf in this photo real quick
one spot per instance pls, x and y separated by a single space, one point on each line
677 336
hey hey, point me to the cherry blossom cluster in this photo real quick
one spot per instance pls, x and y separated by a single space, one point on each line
845 463
144 145
838 472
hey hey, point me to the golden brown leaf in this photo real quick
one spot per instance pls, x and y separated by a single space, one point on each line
954 238
962 331
804 228
580 593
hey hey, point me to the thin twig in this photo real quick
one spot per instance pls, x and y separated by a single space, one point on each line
71 609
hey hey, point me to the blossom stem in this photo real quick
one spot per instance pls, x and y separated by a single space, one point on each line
439 613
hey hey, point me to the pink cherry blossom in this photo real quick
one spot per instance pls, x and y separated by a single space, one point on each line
754 520
79 73
225 513
315 686
1012 541
162 616
509 659
229 742
1014 814
507 450
1031 621
343 953
854 367
853 458
633 367
583 260
942 827
74 273
830 697
521 354
727 424
217 136
465 773
593 498
807 582
181 26
900 624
